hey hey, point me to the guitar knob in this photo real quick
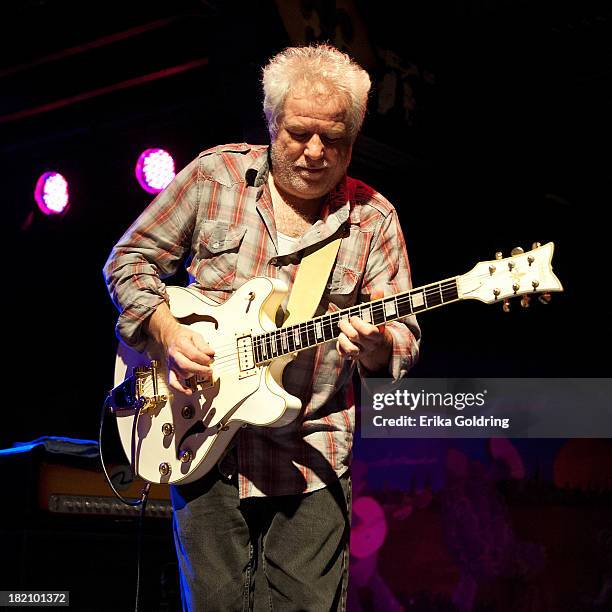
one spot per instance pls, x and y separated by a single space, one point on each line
499 255
517 251
536 245
525 301
506 306
185 456
167 429
545 298
165 469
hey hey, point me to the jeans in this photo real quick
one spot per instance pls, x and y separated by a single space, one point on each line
284 553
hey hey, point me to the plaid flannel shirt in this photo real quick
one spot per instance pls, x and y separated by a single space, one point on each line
217 215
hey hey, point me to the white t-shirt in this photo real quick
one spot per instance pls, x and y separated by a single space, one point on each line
286 244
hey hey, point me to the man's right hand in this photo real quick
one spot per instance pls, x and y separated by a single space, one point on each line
188 354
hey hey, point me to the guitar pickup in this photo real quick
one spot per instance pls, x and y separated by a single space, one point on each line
246 359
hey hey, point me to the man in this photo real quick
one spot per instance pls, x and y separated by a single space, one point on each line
269 528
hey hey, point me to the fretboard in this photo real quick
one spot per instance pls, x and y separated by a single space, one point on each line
302 336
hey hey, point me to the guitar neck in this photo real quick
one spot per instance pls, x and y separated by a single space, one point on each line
302 336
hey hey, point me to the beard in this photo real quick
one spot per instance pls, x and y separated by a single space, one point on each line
291 178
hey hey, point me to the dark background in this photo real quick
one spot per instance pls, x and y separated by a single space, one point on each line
488 128
505 140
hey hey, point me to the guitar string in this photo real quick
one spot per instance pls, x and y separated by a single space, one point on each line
231 358
310 325
442 289
229 361
432 288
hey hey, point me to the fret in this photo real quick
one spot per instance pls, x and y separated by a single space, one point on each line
378 313
366 313
276 349
354 311
328 328
390 308
405 306
318 330
418 301
283 336
310 331
277 343
304 334
451 290
264 346
296 336
334 318
290 340
432 297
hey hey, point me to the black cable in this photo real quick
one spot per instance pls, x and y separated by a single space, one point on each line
142 502
139 553
127 502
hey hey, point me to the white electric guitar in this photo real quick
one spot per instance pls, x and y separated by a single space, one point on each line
171 437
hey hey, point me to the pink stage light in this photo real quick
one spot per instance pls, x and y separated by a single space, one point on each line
51 193
154 170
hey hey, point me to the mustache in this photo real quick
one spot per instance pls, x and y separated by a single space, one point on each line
322 166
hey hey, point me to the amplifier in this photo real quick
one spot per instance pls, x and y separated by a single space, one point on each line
67 489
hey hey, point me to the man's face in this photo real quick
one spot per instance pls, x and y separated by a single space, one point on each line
312 149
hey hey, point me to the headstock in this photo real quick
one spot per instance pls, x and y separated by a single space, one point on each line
521 274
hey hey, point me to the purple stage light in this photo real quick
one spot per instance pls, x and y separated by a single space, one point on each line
154 170
51 193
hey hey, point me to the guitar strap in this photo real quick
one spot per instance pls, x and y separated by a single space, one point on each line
309 283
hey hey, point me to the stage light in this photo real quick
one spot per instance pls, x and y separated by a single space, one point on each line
51 193
154 170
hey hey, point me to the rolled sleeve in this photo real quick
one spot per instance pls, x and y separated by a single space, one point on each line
152 249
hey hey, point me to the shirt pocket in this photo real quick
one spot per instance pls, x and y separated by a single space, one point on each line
344 283
218 248
342 286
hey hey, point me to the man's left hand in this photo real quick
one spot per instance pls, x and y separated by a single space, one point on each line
371 344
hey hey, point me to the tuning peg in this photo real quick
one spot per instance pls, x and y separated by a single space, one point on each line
525 301
517 251
545 298
506 306
536 245
499 255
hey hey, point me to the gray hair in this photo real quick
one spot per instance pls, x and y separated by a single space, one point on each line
318 65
